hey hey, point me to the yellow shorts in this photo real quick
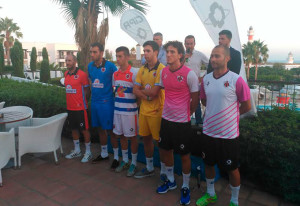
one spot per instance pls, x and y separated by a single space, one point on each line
149 126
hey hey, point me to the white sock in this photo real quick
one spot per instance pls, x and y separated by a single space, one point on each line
104 152
116 153
149 164
125 155
76 145
163 168
88 147
235 194
210 184
186 180
170 173
133 158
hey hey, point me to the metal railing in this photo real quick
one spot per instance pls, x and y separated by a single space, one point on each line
282 94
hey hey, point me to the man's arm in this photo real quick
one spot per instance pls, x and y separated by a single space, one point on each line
245 107
153 92
195 101
137 90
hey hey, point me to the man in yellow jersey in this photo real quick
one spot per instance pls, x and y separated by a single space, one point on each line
148 78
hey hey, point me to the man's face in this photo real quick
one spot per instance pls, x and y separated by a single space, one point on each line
149 53
96 54
189 44
122 59
218 59
172 55
70 62
224 40
158 40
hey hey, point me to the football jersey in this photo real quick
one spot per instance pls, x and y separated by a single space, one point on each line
75 95
125 100
101 81
147 79
223 96
178 86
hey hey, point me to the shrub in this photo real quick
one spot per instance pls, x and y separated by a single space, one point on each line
1 58
270 152
17 56
44 100
45 71
33 59
8 69
55 81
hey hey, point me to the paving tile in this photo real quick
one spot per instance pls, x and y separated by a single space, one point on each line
48 202
127 198
169 198
89 201
48 188
26 198
10 189
67 196
107 193
89 185
264 198
72 178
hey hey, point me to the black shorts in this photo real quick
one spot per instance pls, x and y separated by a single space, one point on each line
78 120
175 136
224 152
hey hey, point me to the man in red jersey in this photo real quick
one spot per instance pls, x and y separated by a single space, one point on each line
77 94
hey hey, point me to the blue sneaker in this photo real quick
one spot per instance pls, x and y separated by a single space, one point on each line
166 187
185 196
163 177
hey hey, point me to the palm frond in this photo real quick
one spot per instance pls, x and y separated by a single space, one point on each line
103 31
117 7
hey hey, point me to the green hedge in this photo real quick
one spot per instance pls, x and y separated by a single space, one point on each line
270 152
44 100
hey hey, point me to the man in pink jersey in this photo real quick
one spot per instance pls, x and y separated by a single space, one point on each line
181 99
226 96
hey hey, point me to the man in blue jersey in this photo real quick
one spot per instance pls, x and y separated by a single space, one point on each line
102 101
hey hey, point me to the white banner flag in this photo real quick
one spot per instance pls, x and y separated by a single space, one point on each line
217 15
135 25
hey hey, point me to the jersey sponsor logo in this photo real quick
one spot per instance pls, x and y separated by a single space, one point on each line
97 84
69 90
154 74
182 146
229 162
127 76
103 69
148 86
165 76
120 91
180 78
76 76
226 84
207 83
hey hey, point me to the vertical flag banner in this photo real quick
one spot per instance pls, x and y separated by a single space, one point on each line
135 25
217 15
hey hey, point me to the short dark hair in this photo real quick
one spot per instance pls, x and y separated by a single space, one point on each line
158 34
190 37
97 44
225 48
123 49
227 33
153 44
178 45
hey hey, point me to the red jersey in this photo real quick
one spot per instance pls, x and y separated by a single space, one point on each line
75 95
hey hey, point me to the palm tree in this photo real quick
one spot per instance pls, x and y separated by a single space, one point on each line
248 56
83 15
260 54
9 28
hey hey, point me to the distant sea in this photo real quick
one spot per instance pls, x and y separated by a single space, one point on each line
282 61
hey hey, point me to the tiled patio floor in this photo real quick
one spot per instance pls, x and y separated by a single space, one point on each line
41 182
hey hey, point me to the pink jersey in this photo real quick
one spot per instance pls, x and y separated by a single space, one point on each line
178 86
223 96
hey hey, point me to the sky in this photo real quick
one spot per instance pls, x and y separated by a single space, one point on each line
274 22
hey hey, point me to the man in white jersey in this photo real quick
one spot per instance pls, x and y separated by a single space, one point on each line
125 111
181 99
225 95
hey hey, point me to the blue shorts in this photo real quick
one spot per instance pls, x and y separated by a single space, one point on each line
102 114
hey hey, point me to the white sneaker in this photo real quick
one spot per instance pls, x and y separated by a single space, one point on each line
73 154
87 157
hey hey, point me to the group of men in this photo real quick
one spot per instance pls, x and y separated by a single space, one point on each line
169 95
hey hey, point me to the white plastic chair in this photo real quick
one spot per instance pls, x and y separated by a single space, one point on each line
2 105
43 136
7 149
15 125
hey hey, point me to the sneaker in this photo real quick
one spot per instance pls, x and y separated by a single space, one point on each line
87 157
233 204
99 159
73 154
163 177
166 187
131 171
144 173
185 196
206 199
114 164
122 166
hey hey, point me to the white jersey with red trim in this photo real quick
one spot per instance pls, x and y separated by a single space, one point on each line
223 96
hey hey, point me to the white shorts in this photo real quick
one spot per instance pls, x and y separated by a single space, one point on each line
125 125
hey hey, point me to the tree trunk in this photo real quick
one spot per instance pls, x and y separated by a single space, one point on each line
255 71
7 54
248 72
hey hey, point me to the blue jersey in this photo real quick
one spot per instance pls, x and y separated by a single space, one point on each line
101 81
